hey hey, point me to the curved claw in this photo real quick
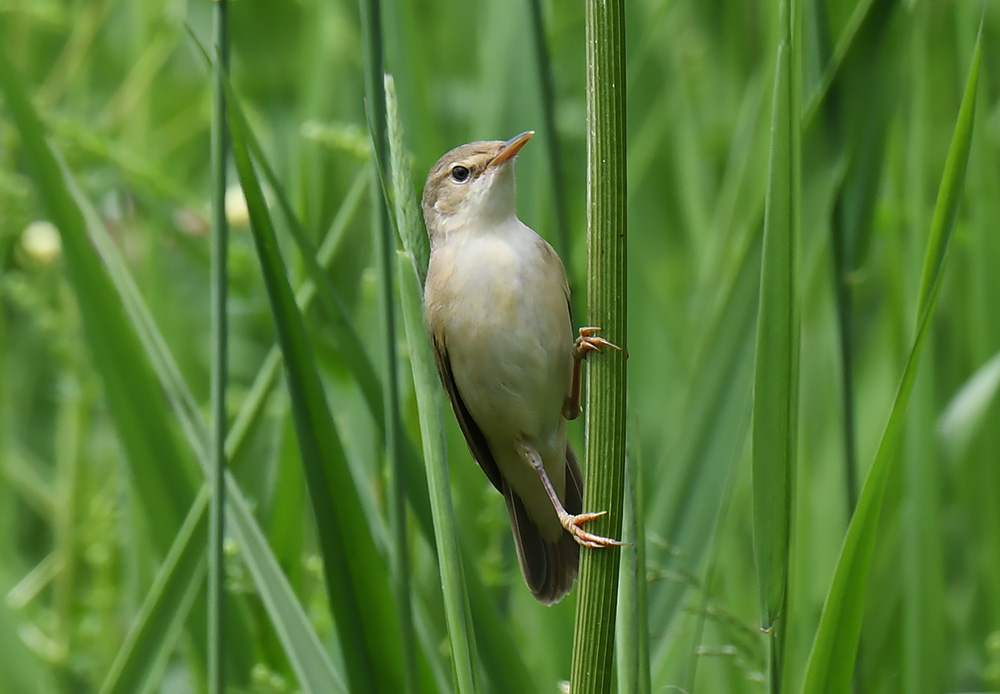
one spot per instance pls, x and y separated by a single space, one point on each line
589 342
574 525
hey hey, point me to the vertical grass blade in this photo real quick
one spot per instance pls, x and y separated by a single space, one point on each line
551 134
355 574
633 624
412 269
219 361
775 404
831 662
776 373
858 127
384 246
592 667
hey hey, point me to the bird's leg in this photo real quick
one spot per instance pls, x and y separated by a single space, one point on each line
585 344
573 524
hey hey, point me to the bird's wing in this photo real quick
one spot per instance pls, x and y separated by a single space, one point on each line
473 434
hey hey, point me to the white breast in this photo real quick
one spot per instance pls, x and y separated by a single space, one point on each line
500 298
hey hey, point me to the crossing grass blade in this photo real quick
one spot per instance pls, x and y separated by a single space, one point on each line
143 656
166 488
311 414
351 348
355 573
831 662
308 659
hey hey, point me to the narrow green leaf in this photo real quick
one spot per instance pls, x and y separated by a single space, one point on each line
355 573
307 655
425 383
633 626
831 662
154 632
775 406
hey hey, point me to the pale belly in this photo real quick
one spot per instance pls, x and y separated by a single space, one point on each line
506 322
510 343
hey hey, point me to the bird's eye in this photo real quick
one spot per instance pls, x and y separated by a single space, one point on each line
460 174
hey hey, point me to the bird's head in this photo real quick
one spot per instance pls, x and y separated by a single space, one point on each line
472 187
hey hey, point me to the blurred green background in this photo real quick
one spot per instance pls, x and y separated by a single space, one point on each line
126 98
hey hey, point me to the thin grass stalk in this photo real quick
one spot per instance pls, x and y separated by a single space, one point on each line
219 274
551 139
592 668
384 245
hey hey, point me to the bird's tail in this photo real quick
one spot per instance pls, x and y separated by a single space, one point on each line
549 569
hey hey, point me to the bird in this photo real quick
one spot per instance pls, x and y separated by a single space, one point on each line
497 308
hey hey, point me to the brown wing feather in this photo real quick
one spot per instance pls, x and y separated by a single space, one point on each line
473 434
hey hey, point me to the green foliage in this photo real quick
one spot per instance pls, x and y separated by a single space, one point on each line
105 113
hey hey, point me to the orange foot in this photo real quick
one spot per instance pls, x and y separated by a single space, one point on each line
589 342
574 524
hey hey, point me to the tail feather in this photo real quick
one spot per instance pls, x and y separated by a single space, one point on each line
549 569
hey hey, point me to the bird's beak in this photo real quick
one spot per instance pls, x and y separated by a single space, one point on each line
510 148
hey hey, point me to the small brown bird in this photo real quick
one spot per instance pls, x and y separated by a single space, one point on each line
497 307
